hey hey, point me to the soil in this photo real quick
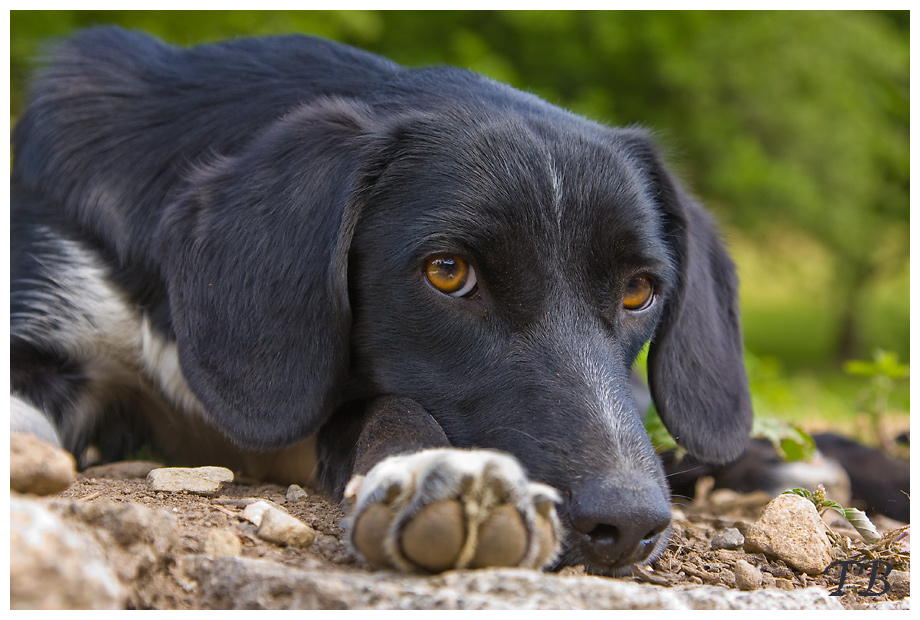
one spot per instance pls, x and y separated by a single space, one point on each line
688 559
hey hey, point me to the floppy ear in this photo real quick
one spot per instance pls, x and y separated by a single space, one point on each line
254 255
696 359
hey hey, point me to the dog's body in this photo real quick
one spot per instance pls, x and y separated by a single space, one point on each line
300 259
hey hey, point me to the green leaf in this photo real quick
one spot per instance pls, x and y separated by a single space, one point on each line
883 364
800 492
790 442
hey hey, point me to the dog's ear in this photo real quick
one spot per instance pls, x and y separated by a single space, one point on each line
254 255
696 359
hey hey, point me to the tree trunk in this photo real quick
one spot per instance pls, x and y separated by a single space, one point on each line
853 279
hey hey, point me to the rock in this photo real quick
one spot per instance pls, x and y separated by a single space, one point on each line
747 577
254 511
220 543
784 584
729 538
277 526
900 583
198 480
791 530
39 468
252 583
768 580
295 493
44 552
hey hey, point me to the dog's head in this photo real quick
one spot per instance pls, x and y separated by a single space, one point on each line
502 265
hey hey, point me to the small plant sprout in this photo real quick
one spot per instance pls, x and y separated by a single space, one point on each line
883 371
857 518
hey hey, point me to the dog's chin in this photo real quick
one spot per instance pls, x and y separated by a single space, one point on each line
573 555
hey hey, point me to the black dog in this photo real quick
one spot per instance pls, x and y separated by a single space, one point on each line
299 259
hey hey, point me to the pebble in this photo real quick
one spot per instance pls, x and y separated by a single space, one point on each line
747 577
769 581
39 468
900 583
784 584
791 530
197 480
729 538
295 493
277 526
222 542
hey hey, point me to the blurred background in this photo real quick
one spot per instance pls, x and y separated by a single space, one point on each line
791 127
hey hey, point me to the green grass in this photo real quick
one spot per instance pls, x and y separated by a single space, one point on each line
787 302
822 400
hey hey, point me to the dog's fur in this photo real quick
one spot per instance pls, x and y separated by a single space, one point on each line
219 251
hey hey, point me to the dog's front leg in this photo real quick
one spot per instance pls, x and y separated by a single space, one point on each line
421 505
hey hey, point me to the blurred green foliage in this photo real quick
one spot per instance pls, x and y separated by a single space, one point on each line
792 126
882 373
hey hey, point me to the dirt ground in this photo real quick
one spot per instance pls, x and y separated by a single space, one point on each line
687 560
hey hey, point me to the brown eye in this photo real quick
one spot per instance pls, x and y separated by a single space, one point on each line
451 275
640 293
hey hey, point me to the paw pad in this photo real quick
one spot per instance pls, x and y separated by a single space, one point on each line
434 538
502 539
443 509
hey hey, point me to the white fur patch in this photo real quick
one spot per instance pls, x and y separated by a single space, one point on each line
87 318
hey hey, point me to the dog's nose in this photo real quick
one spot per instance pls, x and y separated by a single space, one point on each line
618 522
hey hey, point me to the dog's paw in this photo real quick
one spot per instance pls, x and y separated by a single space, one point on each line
450 508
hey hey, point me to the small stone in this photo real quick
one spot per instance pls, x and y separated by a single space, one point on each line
900 584
727 578
38 467
769 581
791 530
295 493
254 512
784 584
729 538
197 480
747 577
276 526
220 543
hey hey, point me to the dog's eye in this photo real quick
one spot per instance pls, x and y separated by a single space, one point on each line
451 275
640 293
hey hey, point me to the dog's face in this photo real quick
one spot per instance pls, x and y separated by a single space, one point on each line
501 268
507 286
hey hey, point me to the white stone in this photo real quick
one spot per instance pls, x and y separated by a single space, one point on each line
197 480
791 530
277 526
747 577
